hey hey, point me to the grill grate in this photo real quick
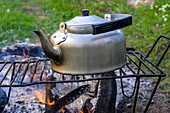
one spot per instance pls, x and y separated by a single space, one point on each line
138 64
148 69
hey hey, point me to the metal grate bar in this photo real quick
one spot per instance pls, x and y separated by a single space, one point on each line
3 66
121 82
6 73
82 80
141 61
136 64
121 70
151 62
136 95
15 76
34 71
165 51
42 70
25 72
130 69
63 77
156 86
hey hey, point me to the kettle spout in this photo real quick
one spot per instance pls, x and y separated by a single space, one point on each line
50 52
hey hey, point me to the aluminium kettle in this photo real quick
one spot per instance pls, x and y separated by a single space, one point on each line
87 44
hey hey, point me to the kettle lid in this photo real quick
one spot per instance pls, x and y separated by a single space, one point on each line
86 19
92 24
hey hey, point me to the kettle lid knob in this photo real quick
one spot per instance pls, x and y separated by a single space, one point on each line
85 12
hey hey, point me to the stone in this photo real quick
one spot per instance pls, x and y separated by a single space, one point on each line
23 109
129 105
144 100
152 101
14 107
3 99
140 97
31 107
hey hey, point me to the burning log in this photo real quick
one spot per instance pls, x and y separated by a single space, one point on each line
87 107
68 109
60 105
70 97
25 50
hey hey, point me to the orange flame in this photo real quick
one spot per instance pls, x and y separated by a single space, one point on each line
50 103
24 53
28 51
40 98
80 111
62 110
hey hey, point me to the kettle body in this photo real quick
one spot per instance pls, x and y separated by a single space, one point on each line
90 54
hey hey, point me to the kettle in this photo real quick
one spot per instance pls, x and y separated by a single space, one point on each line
87 44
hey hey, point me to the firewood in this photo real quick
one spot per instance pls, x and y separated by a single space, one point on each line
71 97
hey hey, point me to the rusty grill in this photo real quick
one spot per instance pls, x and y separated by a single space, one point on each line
144 68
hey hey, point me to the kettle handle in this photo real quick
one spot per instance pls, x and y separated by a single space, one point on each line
117 21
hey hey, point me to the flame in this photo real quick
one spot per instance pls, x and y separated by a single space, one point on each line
24 53
50 103
28 51
81 111
62 110
40 98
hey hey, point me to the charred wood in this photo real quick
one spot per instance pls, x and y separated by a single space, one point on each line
70 97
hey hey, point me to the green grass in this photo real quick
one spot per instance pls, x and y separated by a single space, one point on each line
18 18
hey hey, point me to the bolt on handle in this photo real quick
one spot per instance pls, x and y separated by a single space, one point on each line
85 12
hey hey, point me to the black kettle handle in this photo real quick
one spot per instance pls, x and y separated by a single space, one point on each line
112 25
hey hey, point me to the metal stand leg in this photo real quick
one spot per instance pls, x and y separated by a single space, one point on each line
136 96
149 102
12 77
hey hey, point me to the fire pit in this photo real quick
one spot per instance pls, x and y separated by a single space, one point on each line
18 72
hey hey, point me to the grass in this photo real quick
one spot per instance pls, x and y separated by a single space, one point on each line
20 17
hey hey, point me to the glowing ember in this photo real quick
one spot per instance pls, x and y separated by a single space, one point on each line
40 98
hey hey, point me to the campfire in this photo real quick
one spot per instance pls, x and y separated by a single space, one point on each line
22 51
62 104
59 104
31 85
